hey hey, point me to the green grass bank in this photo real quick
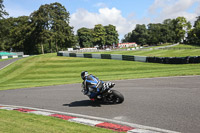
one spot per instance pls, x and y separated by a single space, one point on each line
181 50
17 122
49 69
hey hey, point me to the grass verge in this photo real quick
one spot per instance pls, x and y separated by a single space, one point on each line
49 69
17 122
162 52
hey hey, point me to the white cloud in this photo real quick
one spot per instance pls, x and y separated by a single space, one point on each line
100 4
197 11
174 8
105 16
158 11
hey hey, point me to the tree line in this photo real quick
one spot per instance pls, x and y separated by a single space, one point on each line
45 30
48 30
98 36
177 30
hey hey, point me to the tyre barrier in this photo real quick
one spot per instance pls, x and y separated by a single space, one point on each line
128 57
174 60
163 60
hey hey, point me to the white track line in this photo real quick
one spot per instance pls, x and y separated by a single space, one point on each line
97 119
6 66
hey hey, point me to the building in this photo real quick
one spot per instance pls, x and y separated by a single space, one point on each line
127 45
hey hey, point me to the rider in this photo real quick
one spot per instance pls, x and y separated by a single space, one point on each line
92 86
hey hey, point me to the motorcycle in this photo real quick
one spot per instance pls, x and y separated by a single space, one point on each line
109 96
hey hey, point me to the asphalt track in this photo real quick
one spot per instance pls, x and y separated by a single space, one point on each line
5 63
168 103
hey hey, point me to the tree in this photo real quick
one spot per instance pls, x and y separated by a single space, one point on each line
140 34
40 20
45 30
5 26
85 37
51 22
111 35
161 33
2 11
154 34
99 35
168 31
20 35
63 33
181 26
197 21
127 37
17 34
194 34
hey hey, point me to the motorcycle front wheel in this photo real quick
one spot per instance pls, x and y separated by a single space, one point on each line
116 97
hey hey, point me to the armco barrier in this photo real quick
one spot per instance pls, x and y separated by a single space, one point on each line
96 56
13 56
116 57
3 57
164 60
79 55
65 54
140 58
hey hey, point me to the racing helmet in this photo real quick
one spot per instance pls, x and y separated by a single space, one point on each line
84 74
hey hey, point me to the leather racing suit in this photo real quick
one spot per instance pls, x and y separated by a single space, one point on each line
92 86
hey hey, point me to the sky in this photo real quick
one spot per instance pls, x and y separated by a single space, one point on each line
124 14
